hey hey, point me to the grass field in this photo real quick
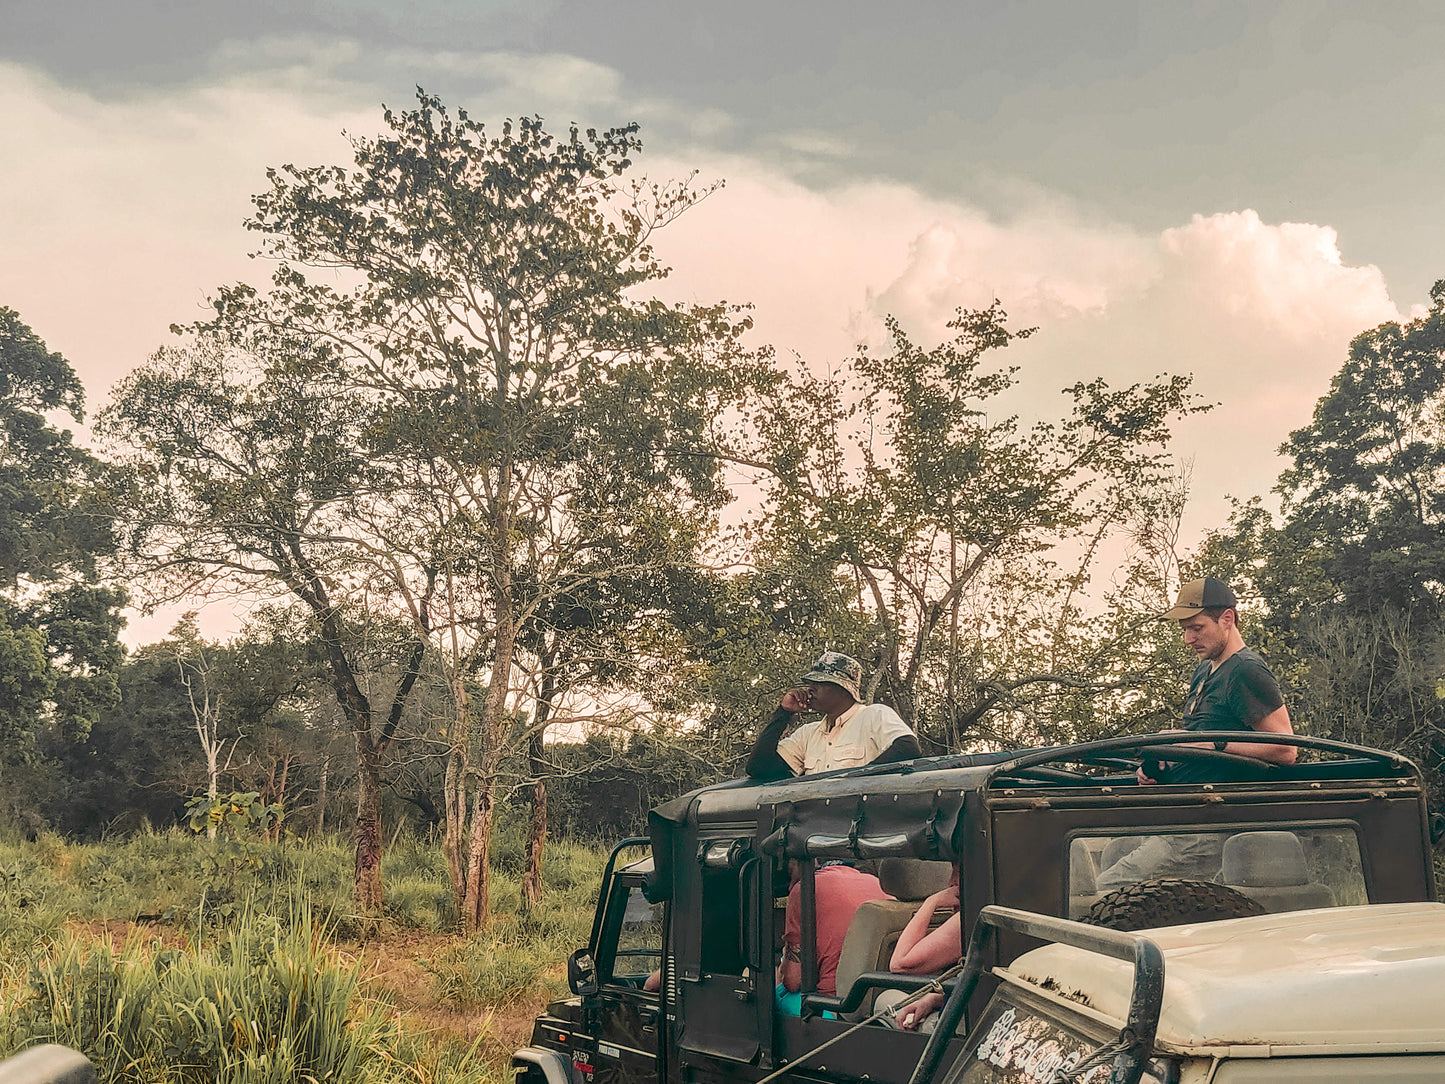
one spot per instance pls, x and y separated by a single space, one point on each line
166 957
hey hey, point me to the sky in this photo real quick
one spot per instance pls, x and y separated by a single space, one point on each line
1228 190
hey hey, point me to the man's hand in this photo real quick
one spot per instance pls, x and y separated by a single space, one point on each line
910 1016
945 899
796 700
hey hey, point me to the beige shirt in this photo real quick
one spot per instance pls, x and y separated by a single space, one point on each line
861 733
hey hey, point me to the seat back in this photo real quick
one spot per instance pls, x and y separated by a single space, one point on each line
875 926
1270 867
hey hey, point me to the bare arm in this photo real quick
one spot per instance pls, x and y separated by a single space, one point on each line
1276 722
924 951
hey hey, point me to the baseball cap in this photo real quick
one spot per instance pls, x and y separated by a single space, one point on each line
1196 596
837 669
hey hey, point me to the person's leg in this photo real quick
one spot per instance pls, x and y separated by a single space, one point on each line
1195 856
1139 864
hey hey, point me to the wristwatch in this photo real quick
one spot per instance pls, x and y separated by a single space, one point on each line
1220 743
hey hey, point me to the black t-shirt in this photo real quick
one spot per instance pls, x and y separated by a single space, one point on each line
1236 696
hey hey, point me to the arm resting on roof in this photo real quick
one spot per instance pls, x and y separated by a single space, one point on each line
903 749
1276 722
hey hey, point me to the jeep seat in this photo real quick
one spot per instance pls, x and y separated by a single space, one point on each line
874 930
1269 867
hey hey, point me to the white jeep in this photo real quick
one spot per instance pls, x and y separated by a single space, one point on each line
1338 995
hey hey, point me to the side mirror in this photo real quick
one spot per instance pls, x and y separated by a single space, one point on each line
582 973
1437 827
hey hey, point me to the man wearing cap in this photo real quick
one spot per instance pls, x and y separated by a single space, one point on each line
1232 688
849 734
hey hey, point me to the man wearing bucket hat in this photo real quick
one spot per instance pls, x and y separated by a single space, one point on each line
1232 688
849 734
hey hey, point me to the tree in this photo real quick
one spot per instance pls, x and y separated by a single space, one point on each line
1368 480
531 422
59 625
969 539
1352 571
239 470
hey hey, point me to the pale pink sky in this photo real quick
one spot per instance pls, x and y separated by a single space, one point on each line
121 211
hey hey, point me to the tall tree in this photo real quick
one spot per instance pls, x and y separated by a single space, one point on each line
239 469
969 538
1368 479
533 421
59 625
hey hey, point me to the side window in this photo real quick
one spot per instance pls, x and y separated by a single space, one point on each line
1283 870
639 940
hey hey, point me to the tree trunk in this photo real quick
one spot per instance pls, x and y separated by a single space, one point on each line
321 798
536 837
537 825
477 905
368 831
455 793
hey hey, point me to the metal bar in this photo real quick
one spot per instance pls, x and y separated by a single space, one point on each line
808 950
1144 1005
630 841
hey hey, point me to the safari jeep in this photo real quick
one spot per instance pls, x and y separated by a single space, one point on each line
1343 995
676 981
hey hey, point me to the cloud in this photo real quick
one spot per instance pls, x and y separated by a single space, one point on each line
1259 314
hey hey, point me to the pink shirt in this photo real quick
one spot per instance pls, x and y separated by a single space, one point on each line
839 892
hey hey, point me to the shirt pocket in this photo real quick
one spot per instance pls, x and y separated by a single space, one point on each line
847 755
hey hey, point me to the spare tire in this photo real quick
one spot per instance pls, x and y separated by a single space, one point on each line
1169 901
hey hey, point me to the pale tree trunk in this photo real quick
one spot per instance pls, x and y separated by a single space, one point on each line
207 716
321 798
454 794
475 908
537 823
536 829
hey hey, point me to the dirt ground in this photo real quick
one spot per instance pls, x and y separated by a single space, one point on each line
391 972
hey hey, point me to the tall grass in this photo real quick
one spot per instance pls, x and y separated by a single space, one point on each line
226 970
261 1003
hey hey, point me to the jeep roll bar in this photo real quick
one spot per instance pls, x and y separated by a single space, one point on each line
622 845
1130 1050
1153 746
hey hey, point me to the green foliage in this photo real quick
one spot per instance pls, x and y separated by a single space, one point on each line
156 998
58 626
236 814
949 524
1368 480
262 1003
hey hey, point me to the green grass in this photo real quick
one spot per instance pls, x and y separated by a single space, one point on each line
260 1002
228 970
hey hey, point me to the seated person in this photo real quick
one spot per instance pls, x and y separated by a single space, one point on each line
838 891
924 949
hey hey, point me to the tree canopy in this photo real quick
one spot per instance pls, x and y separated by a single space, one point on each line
59 625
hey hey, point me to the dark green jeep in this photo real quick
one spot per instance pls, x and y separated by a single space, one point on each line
1063 831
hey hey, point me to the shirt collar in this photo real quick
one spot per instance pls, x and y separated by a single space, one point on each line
843 719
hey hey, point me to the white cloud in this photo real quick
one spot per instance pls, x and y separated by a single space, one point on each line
1259 314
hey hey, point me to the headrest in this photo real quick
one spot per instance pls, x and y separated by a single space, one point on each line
1264 860
913 878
